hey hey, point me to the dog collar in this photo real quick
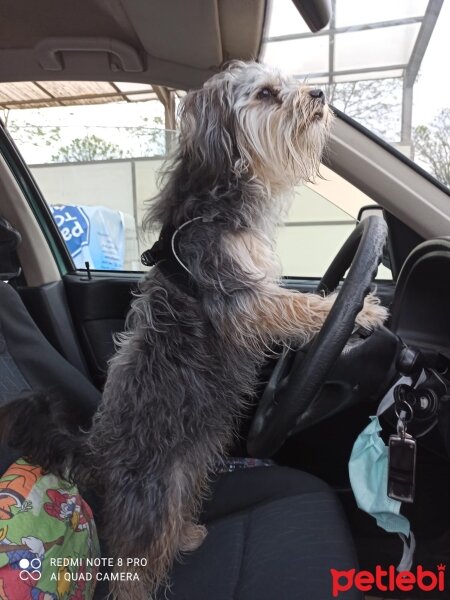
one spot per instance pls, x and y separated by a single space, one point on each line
164 254
161 249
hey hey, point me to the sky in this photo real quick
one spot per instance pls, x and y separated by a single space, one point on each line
431 92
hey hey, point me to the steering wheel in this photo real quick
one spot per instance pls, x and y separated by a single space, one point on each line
287 403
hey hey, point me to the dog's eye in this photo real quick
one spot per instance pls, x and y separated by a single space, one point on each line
266 92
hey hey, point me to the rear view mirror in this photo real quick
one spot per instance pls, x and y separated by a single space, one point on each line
315 13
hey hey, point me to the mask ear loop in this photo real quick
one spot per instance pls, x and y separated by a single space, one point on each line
409 547
172 243
177 231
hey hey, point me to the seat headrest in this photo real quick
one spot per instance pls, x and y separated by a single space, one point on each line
10 238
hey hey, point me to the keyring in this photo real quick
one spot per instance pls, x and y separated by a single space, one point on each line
408 406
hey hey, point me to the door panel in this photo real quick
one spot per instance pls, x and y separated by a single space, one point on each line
99 307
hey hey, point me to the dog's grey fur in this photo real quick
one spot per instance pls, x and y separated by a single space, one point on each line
185 365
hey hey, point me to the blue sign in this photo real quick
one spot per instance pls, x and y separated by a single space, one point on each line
74 226
92 233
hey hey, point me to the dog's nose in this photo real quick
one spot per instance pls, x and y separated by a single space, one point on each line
317 94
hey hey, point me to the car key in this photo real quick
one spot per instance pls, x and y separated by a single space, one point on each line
402 463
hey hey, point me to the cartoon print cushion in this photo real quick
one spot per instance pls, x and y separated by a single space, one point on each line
48 539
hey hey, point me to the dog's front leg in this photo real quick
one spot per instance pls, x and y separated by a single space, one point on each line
281 314
274 313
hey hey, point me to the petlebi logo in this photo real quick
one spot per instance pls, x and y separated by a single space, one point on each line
384 580
30 569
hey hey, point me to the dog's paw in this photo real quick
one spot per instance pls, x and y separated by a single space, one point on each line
192 537
373 315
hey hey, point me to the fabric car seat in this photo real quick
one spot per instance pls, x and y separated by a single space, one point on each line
274 533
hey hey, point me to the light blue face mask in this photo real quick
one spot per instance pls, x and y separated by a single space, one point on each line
368 470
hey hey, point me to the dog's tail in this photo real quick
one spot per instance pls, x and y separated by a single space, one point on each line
45 430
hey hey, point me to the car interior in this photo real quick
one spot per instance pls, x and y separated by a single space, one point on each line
276 529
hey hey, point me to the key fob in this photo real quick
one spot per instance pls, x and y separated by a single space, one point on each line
402 468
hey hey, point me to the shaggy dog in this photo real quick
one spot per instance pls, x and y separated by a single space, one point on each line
204 317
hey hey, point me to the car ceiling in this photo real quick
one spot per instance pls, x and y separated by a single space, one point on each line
173 43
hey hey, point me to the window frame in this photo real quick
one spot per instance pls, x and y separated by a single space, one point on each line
36 201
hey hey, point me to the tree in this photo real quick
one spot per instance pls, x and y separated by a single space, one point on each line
89 147
36 135
432 145
150 136
375 103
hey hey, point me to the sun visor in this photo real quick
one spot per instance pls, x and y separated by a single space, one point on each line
176 44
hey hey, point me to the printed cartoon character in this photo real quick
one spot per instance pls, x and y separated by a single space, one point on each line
15 487
64 582
73 510
64 520
19 578
69 508
80 585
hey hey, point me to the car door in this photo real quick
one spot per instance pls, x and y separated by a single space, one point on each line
92 212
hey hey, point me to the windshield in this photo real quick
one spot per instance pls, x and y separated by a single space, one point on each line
382 64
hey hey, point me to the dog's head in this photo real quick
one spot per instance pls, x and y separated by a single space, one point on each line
251 120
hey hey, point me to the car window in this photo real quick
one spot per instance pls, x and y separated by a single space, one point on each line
321 217
96 165
378 62
98 207
97 177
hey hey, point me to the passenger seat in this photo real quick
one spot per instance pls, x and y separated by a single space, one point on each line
28 362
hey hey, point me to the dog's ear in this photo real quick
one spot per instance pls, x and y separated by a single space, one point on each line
207 138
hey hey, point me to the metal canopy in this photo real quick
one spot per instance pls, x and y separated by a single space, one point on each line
39 94
346 48
364 40
42 94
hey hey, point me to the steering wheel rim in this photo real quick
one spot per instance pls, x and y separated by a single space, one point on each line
276 417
